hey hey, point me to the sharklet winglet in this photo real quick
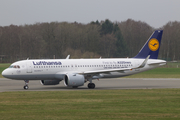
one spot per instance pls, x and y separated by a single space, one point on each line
144 63
68 57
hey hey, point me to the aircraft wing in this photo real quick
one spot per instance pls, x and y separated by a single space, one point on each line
105 71
115 70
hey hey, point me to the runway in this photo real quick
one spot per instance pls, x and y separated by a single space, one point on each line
117 83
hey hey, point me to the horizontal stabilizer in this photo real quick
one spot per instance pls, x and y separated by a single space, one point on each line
157 62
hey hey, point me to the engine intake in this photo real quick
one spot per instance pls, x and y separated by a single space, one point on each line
74 80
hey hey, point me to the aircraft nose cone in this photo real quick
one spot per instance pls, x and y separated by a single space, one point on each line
5 73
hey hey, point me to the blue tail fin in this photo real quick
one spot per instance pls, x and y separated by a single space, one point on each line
152 46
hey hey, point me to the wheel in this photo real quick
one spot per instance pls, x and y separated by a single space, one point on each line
26 87
91 85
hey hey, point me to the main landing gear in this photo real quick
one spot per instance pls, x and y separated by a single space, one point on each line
26 84
91 85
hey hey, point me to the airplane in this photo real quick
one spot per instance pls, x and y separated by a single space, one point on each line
75 72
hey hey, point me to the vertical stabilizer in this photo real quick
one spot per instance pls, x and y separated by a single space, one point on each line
151 47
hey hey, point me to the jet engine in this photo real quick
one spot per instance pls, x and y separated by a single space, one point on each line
74 80
49 82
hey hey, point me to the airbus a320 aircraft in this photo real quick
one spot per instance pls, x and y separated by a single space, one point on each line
75 72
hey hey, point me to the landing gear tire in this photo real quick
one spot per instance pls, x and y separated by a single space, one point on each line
26 84
26 87
91 85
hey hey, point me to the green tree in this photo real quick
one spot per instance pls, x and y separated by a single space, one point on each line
107 27
121 47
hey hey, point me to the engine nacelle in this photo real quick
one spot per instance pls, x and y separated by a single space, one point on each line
49 82
74 80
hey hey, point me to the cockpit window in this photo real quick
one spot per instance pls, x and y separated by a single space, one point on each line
14 66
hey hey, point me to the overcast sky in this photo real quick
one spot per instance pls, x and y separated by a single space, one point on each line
156 13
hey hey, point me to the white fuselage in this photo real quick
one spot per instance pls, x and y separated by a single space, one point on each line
55 69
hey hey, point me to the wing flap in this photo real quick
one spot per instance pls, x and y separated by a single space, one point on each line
105 71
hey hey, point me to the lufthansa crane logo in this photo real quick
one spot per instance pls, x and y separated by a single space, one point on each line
153 44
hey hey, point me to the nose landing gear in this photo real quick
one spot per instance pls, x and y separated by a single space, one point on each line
26 84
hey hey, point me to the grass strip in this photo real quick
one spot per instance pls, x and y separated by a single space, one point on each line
91 104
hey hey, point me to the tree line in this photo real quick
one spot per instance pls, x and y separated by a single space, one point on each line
106 39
